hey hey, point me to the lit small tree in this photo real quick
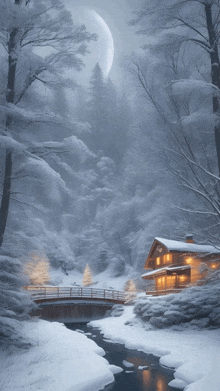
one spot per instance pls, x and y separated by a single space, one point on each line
37 269
87 276
131 292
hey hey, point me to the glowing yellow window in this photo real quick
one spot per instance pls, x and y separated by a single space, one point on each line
158 261
167 258
188 260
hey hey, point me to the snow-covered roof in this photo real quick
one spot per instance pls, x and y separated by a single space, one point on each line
164 269
174 245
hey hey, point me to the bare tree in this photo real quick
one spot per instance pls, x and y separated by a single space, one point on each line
196 21
190 159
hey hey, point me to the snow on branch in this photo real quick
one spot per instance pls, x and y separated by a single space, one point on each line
191 84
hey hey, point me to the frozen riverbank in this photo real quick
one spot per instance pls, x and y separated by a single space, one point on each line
60 359
195 354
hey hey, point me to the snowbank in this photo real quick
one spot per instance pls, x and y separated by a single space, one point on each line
60 359
102 280
195 354
194 307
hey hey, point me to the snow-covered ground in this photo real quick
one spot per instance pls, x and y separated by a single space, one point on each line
60 360
195 354
102 280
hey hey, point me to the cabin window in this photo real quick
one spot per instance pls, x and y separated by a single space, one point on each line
158 261
188 260
161 283
183 278
171 280
167 258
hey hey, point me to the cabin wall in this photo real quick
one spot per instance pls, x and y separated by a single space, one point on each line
172 281
200 265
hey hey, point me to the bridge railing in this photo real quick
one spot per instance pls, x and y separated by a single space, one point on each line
52 292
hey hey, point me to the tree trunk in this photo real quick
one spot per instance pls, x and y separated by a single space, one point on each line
6 195
10 94
215 72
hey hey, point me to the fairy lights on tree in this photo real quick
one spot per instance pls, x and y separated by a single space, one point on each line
37 269
87 276
131 292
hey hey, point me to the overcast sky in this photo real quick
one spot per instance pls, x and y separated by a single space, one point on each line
116 14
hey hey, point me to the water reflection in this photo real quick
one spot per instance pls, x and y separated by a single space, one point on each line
160 384
145 375
150 378
146 379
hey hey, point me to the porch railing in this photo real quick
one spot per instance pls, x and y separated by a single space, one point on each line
163 292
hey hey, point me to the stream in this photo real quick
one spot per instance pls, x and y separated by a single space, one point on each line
141 371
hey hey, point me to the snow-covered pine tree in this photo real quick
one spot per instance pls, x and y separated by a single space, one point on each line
14 303
131 292
87 276
37 269
25 26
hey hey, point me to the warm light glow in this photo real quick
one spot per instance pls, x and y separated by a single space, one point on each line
170 282
189 260
167 258
87 276
131 291
146 378
161 384
214 265
161 283
171 278
37 269
158 261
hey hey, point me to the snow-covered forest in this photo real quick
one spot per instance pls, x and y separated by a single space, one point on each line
91 174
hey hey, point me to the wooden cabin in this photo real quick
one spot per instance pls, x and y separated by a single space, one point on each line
174 265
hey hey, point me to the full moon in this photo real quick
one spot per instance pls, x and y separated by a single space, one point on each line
102 50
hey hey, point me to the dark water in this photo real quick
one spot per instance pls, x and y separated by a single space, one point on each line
155 378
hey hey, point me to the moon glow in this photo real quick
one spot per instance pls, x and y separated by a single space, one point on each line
102 50
110 44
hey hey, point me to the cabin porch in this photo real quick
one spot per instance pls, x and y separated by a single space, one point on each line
169 280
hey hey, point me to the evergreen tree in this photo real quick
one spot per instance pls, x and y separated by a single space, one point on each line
37 269
108 128
97 109
14 303
131 292
25 25
87 276
102 262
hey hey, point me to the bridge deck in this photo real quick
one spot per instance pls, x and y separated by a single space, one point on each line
52 293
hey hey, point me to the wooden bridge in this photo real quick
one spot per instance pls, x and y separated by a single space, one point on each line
52 293
73 304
